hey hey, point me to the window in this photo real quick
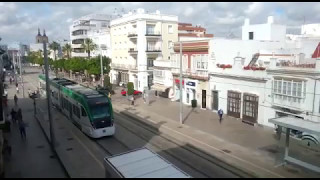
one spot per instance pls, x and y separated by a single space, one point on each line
150 29
170 44
170 29
83 112
289 90
150 63
250 35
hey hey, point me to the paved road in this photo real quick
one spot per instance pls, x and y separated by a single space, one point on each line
130 135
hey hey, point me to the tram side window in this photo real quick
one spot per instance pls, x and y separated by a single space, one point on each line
76 111
83 112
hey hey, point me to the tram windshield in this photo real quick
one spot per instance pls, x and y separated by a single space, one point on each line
100 110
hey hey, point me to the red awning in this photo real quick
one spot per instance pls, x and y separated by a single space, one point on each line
178 81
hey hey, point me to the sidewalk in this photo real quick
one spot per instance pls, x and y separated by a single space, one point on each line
32 158
253 148
80 156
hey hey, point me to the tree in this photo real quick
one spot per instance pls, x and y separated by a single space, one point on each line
130 88
107 84
89 46
67 49
54 46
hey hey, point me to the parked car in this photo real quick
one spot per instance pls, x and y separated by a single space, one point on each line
135 92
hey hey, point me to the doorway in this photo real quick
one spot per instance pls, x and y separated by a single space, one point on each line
215 100
204 99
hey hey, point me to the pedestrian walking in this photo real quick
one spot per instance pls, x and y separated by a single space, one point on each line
10 80
15 99
22 124
17 89
220 113
13 115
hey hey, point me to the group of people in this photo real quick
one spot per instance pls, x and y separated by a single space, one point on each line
17 117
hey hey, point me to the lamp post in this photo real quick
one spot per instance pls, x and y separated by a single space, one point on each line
101 64
181 113
48 93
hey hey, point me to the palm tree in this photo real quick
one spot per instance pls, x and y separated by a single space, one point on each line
67 49
88 46
55 47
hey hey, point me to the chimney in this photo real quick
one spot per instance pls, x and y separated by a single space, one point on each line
247 22
238 61
270 20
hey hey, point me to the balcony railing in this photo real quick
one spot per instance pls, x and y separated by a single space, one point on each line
133 50
153 49
132 34
153 33
123 66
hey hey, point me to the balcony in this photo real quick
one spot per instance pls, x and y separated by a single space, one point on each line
123 66
79 54
133 51
153 50
163 63
190 73
82 36
132 34
76 45
153 34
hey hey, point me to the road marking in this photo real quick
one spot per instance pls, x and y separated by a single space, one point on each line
189 137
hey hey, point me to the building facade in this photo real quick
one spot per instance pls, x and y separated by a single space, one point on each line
138 39
95 27
194 46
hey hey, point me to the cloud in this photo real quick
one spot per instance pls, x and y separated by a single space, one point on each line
20 21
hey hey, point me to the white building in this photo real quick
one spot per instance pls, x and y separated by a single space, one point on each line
267 32
94 26
265 76
138 39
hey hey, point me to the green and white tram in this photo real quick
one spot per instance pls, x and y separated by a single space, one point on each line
90 110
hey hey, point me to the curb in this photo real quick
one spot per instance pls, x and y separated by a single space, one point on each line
52 149
232 168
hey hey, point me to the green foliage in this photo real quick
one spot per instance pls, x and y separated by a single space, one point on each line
79 64
67 49
107 84
54 46
89 46
130 88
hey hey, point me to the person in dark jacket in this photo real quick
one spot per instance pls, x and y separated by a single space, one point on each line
13 115
22 124
220 113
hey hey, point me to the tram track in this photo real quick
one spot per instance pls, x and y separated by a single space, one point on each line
196 153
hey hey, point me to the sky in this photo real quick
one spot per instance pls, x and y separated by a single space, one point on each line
19 21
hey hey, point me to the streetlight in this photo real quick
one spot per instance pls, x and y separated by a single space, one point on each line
181 113
101 64
48 93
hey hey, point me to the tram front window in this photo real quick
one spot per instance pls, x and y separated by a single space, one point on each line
101 110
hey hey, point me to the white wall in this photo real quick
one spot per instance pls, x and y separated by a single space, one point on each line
226 49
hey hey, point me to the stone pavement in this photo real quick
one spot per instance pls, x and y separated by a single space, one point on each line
32 158
250 148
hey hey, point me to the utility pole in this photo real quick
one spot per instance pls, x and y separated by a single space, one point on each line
101 64
21 73
48 92
181 113
2 52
